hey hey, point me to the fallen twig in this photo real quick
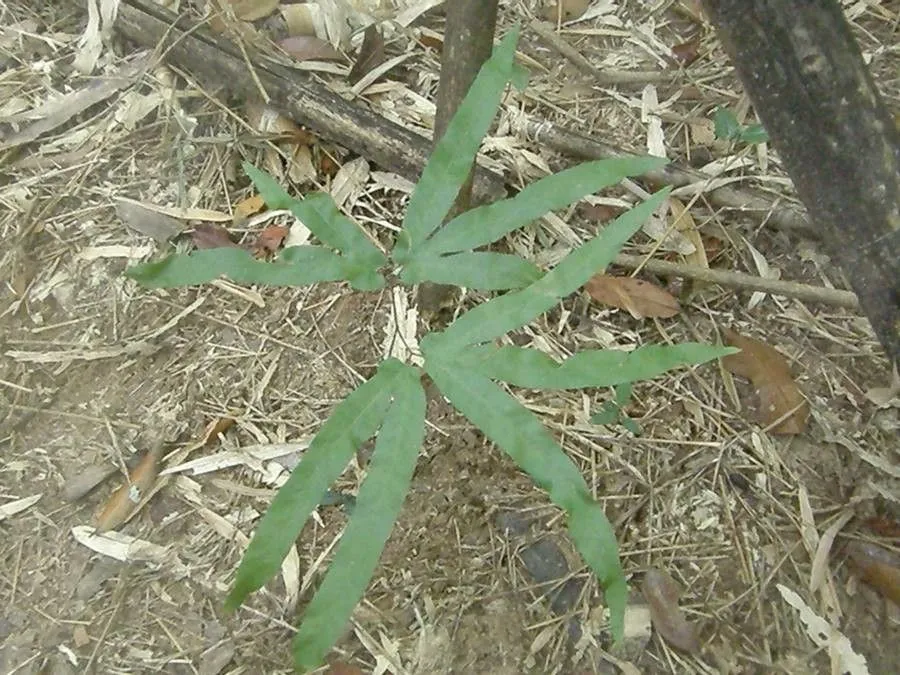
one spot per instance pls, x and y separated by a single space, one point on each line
790 289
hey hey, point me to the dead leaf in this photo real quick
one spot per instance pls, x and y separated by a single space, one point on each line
566 10
214 660
662 594
878 567
687 52
298 16
80 636
269 240
267 120
158 226
770 374
248 207
599 213
371 55
639 298
683 222
309 48
86 481
123 501
210 235
253 10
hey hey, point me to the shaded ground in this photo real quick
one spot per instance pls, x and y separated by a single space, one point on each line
95 368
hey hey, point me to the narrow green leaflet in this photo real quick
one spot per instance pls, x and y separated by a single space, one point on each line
200 267
353 421
479 270
508 312
377 507
533 369
453 156
519 433
320 214
486 224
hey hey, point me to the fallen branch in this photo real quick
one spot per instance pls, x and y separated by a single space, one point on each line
219 64
749 282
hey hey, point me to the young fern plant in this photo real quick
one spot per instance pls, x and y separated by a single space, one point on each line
465 360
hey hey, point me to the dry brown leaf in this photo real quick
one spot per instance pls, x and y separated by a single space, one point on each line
566 10
371 55
268 120
249 207
770 374
878 567
269 240
639 298
687 52
252 10
123 501
310 48
210 235
299 18
599 213
662 593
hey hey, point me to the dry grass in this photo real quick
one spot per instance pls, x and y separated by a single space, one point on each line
95 367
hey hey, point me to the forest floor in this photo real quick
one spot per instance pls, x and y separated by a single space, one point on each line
95 369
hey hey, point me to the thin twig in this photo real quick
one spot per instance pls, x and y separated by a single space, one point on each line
602 77
790 289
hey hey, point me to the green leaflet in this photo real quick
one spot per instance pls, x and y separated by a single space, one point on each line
500 315
486 224
200 267
478 270
353 421
377 507
519 433
452 157
533 369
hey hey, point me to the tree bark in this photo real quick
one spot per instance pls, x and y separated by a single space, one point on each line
807 80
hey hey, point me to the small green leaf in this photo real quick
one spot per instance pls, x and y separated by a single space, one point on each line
754 133
512 310
377 507
478 270
353 421
727 127
519 433
609 414
623 394
200 267
486 224
533 369
452 158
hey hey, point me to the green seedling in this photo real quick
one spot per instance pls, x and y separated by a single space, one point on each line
613 412
728 128
467 361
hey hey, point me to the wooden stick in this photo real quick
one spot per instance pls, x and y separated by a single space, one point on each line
749 282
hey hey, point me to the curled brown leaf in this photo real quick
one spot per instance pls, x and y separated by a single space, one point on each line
123 501
779 396
662 594
639 298
878 567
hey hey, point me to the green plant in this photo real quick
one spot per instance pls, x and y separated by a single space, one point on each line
465 360
728 128
613 412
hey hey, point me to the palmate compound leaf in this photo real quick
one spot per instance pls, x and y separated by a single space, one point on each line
521 435
507 312
377 507
452 157
353 421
